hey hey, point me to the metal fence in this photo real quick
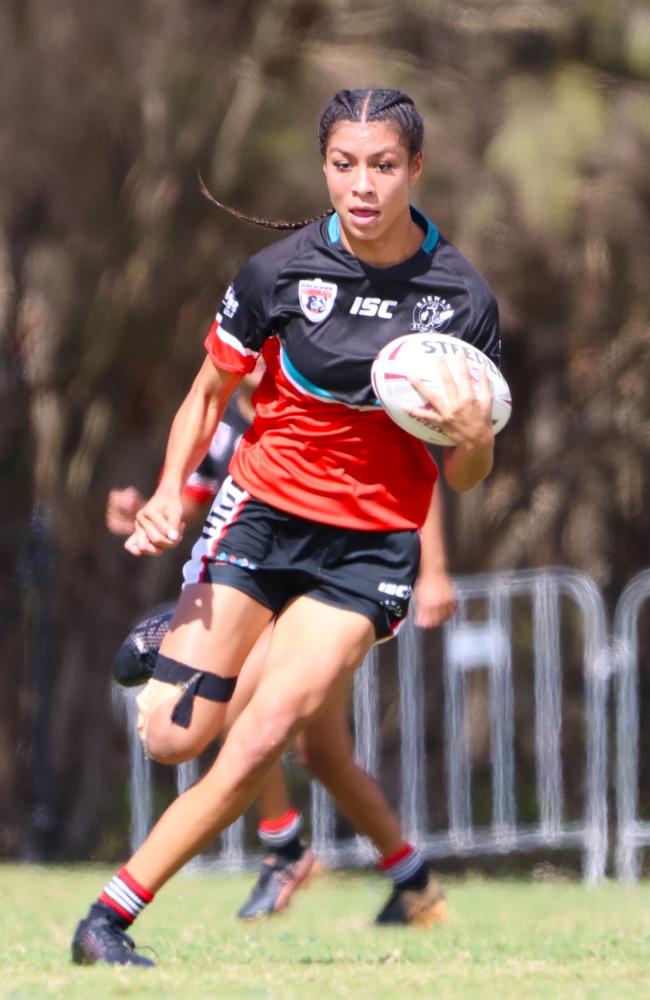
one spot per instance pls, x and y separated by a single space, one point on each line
480 638
632 833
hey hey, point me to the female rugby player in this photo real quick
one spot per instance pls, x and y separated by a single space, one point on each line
318 526
288 861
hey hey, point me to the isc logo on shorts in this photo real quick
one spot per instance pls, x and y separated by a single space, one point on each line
401 590
373 307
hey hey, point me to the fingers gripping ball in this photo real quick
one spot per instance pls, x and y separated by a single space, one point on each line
417 356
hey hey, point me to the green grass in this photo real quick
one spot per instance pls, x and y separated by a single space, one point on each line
504 939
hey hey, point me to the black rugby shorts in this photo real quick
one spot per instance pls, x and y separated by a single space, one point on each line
274 556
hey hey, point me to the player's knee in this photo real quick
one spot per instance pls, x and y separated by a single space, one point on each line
265 734
154 709
168 725
165 745
270 739
162 740
319 756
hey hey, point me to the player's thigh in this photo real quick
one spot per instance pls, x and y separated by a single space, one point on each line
213 630
214 627
314 650
249 677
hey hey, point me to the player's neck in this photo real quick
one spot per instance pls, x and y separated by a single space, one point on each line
402 241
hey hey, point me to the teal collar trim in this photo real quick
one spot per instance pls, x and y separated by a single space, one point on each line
431 232
334 229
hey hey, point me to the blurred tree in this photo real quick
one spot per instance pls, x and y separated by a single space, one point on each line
538 132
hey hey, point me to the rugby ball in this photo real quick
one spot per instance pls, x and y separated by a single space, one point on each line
416 355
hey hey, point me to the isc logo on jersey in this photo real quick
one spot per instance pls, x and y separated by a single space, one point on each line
373 307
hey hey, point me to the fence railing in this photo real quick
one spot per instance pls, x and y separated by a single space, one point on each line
632 833
480 638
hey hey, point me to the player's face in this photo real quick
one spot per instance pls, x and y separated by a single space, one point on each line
369 177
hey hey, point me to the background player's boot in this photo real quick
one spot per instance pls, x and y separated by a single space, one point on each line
134 662
276 884
420 908
99 939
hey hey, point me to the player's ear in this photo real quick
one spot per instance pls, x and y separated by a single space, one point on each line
415 168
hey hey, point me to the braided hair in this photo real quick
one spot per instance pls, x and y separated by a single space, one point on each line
371 104
253 220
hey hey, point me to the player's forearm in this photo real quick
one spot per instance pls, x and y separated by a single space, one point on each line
194 425
432 535
189 439
465 466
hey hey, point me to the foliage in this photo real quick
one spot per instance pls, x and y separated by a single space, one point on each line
538 126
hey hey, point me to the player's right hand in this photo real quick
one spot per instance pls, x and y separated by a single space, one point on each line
159 525
435 598
464 412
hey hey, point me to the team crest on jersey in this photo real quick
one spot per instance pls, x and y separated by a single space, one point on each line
432 314
317 298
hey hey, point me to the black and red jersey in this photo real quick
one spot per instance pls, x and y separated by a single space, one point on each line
321 446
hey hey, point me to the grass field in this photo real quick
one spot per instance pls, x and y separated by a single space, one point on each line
504 939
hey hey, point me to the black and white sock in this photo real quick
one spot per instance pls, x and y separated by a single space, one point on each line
124 898
280 835
406 868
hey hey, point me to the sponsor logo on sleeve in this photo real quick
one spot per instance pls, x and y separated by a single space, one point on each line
230 303
317 298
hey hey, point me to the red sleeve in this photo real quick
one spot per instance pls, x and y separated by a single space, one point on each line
242 323
198 492
227 352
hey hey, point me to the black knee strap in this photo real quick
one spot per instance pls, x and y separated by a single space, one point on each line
193 683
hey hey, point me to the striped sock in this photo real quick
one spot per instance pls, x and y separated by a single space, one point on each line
280 835
125 897
406 868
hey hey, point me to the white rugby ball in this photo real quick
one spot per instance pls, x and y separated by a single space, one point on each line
416 355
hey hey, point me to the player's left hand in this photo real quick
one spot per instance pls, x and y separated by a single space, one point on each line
435 599
464 413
